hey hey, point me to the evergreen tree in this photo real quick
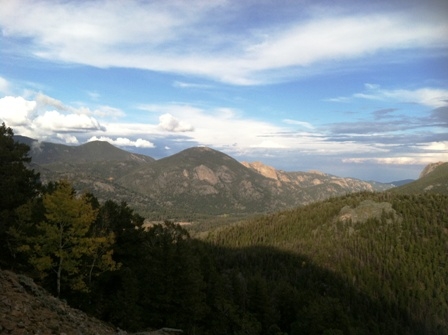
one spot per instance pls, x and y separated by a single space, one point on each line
18 185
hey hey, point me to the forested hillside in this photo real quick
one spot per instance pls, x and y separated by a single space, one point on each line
394 256
366 263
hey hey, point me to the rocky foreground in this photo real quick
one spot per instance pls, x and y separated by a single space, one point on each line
26 308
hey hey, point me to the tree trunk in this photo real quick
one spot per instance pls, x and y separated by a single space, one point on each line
58 279
92 266
59 272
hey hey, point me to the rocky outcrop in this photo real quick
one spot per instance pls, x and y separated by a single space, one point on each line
26 308
264 170
366 210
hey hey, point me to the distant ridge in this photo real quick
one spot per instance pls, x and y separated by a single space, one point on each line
433 179
401 182
95 151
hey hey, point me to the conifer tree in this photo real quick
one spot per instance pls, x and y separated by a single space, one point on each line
18 184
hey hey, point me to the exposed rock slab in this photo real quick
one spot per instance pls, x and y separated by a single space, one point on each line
366 210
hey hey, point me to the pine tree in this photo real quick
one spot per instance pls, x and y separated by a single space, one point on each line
18 184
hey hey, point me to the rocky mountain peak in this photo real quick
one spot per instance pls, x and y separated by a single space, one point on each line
429 168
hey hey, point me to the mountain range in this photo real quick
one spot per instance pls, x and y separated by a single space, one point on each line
193 183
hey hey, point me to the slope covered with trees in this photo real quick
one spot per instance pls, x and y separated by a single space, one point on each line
397 259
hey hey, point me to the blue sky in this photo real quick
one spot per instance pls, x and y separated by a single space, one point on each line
350 88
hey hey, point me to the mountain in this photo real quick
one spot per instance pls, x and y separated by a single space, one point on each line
193 183
202 179
91 167
433 179
96 151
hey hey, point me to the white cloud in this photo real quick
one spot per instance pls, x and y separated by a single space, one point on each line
67 138
107 111
223 128
4 85
182 84
32 118
268 144
299 123
343 38
424 153
427 96
124 142
94 95
226 128
102 34
170 123
401 160
441 146
46 101
55 121
218 127
16 111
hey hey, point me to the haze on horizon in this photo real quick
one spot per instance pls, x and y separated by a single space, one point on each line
349 88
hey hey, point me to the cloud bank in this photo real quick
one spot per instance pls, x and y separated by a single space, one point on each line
428 96
196 37
124 142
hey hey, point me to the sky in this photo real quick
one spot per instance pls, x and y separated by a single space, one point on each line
350 88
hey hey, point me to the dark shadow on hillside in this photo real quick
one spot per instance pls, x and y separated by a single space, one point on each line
298 297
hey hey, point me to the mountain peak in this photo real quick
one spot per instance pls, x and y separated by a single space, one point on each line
97 143
198 155
429 168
